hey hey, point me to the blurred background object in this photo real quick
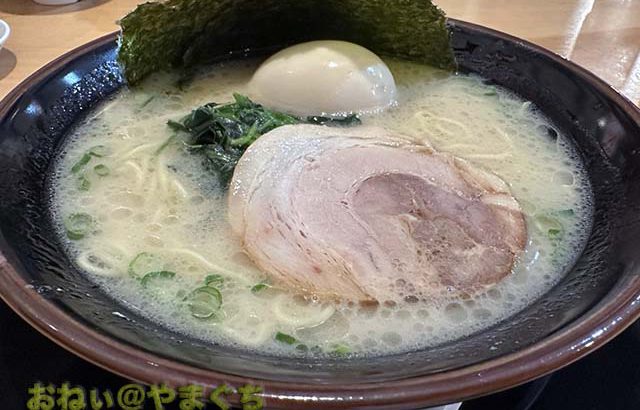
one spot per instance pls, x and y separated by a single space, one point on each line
5 30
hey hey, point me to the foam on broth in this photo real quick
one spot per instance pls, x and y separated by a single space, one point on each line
164 202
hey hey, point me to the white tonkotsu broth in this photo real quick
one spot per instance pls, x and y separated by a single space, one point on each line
168 205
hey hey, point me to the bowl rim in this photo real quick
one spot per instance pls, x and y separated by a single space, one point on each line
560 349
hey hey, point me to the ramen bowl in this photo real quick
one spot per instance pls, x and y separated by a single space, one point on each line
597 298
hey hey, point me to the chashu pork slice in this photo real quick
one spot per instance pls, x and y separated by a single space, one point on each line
366 215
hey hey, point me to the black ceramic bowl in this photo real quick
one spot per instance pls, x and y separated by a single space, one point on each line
598 297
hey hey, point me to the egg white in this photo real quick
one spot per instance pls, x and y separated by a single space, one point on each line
331 78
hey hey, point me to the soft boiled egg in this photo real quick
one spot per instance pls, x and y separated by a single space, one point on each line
329 78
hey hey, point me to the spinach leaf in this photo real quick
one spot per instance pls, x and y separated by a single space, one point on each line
222 132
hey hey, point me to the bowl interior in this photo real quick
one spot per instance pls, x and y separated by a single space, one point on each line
607 137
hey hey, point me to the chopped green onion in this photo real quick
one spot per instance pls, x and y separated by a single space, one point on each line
551 222
78 225
213 280
83 183
144 263
545 223
99 151
102 170
177 126
165 144
259 287
147 101
302 347
285 338
340 349
554 233
163 274
566 212
84 160
204 302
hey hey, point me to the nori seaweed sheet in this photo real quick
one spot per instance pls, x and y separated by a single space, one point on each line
182 33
